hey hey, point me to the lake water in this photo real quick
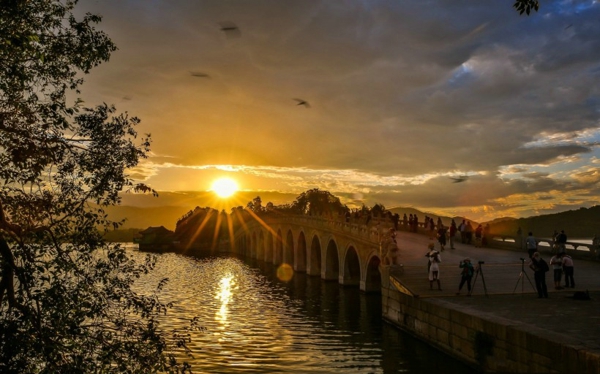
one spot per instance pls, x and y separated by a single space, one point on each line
254 323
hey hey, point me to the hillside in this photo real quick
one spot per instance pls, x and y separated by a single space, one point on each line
580 223
137 217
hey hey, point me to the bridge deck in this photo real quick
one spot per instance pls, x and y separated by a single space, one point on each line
507 296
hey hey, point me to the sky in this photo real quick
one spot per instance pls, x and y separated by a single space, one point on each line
405 99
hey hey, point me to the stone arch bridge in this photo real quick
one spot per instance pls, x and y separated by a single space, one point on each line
332 249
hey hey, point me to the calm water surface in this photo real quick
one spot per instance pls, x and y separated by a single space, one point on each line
254 323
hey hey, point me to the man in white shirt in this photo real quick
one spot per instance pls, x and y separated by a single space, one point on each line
531 244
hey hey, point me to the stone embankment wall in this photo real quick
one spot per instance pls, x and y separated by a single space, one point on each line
487 342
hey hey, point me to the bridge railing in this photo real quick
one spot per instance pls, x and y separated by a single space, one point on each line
575 249
372 233
375 232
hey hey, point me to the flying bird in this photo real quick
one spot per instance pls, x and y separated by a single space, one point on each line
303 102
199 74
459 179
230 29
568 26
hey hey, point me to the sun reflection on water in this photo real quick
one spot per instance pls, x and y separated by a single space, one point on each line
224 295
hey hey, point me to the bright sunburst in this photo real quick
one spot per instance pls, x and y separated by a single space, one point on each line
224 187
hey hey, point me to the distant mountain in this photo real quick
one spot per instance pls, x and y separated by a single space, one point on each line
580 223
501 219
125 235
137 217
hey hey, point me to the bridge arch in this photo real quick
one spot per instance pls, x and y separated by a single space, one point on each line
254 246
269 247
331 249
331 269
278 258
247 244
241 248
260 253
372 279
300 264
351 271
288 254
314 257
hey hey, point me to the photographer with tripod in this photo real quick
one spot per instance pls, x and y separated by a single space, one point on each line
540 268
466 275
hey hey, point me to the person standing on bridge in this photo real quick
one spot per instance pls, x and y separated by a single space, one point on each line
561 242
531 244
466 275
539 267
453 230
441 237
556 262
567 263
478 236
469 232
434 268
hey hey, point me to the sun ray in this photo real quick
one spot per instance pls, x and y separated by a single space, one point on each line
199 230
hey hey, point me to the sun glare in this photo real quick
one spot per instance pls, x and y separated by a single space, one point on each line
224 187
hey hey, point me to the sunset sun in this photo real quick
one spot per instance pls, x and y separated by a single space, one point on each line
224 187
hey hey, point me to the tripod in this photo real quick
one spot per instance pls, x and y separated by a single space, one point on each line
479 270
520 278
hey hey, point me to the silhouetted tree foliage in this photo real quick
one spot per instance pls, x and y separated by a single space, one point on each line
66 302
201 229
257 205
318 202
526 6
378 210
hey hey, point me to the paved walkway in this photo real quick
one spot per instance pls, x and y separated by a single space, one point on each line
509 295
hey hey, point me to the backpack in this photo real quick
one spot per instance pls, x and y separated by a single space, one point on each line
544 266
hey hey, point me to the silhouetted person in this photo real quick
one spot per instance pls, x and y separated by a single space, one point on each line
567 264
556 263
469 232
395 220
478 235
453 230
561 241
540 268
486 235
466 274
531 244
434 269
441 237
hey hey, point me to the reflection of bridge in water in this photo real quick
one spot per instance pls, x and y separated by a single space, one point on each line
332 249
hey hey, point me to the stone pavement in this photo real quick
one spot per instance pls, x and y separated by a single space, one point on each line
509 296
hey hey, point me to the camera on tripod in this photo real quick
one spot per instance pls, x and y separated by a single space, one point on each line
522 259
481 262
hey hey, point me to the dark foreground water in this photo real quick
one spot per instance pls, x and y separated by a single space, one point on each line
254 323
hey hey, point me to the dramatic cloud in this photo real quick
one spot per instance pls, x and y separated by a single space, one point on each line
403 95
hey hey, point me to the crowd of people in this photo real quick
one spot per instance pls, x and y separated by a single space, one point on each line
561 263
